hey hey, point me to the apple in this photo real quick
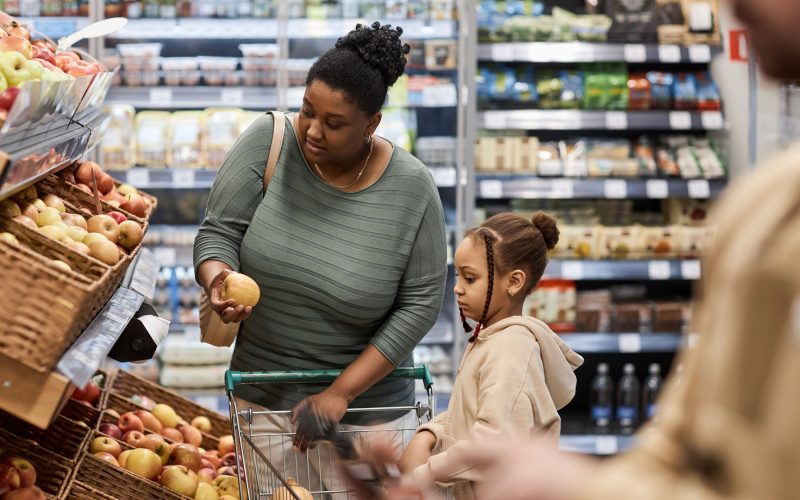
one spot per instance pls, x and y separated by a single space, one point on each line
76 220
54 201
114 203
150 422
83 174
123 458
79 68
107 457
39 204
16 45
152 441
28 194
206 475
228 497
72 56
9 209
111 430
186 454
228 460
105 183
52 72
166 415
143 401
104 225
77 234
15 68
143 462
205 490
226 445
90 392
227 485
104 251
191 435
48 217
44 54
28 210
242 289
14 28
105 444
42 44
92 237
36 69
60 264
26 221
25 469
130 234
172 434
134 438
226 470
130 422
201 423
179 479
163 451
135 205
126 189
9 478
112 413
212 457
117 216
27 493
9 237
55 233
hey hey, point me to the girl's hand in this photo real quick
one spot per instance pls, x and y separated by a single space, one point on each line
417 452
227 309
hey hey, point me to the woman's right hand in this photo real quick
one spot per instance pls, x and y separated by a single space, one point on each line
227 309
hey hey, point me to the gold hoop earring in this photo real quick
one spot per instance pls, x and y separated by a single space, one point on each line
368 139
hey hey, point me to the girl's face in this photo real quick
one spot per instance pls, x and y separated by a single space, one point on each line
472 279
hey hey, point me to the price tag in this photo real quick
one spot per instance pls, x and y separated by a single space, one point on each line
494 120
635 53
161 96
615 189
712 120
669 53
562 189
183 178
166 256
657 189
659 270
501 52
491 189
630 342
616 120
690 269
700 53
231 97
572 270
138 178
699 189
605 445
680 120
444 176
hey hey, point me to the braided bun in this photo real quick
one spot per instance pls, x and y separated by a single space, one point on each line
380 47
548 227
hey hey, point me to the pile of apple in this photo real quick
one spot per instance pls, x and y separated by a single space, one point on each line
125 196
106 237
90 393
18 480
166 449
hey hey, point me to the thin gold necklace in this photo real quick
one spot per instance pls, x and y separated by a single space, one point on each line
360 173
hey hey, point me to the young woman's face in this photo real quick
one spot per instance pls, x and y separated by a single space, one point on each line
472 278
331 129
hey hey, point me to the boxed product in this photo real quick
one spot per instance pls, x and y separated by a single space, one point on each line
116 150
548 161
221 132
496 153
525 155
219 70
440 54
606 87
684 91
661 89
638 92
661 242
152 136
611 158
554 302
573 157
560 89
708 98
620 242
577 242
139 56
186 145
631 317
180 71
260 63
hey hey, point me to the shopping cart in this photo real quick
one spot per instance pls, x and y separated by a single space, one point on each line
263 439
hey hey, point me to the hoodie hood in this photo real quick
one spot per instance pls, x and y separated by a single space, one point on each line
558 359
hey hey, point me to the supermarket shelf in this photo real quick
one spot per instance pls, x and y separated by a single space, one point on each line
194 97
55 27
579 52
529 186
596 444
612 270
540 119
623 342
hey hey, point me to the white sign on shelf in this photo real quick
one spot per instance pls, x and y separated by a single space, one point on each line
657 189
630 342
166 256
615 189
494 120
699 189
572 270
712 120
635 53
183 178
562 189
659 270
138 178
231 97
444 176
616 120
161 96
605 445
700 53
669 53
690 269
680 120
491 189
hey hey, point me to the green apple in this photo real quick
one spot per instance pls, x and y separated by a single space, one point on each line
53 76
48 217
36 69
76 233
9 237
14 67
91 237
55 233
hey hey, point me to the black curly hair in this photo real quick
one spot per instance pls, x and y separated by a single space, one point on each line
363 65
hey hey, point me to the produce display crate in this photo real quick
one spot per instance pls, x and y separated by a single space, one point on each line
79 412
53 476
119 483
127 385
66 438
80 491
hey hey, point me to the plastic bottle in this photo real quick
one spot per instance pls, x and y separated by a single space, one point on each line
628 398
650 390
602 397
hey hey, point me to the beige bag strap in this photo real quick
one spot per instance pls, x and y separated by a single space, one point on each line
278 129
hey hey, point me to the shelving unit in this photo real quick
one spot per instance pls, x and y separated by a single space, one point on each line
583 52
561 119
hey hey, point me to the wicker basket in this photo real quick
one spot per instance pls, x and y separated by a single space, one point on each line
127 385
119 483
79 412
52 475
80 491
66 438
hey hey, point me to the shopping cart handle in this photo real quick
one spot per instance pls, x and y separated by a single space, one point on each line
234 378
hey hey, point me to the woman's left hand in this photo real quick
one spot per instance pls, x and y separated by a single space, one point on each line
328 405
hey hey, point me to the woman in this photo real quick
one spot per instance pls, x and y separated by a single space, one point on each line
347 244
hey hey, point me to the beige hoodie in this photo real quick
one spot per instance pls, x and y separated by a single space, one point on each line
515 376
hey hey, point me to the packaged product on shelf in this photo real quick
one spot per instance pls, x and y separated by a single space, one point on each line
693 240
661 87
573 157
441 10
152 137
440 54
708 98
684 91
496 82
622 242
116 150
496 153
560 90
660 242
554 302
298 69
415 59
399 93
259 63
187 142
180 71
140 63
631 317
417 9
710 162
607 158
221 131
525 155
398 126
548 161
638 92
633 21
687 212
219 70
594 311
671 316
606 87
667 165
643 150
586 28
687 163
578 242
524 89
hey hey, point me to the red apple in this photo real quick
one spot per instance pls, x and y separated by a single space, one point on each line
150 422
228 460
117 216
16 44
111 430
90 393
78 68
107 457
227 471
8 97
143 401
42 44
172 434
25 469
212 457
9 478
130 422
206 475
152 442
105 183
105 444
186 454
226 445
105 225
83 174
44 55
191 435
134 438
73 56
135 205
28 493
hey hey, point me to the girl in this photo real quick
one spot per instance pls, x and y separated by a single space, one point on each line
516 373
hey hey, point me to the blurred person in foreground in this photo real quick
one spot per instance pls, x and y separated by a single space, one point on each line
728 428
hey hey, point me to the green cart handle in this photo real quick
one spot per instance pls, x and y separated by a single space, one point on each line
233 378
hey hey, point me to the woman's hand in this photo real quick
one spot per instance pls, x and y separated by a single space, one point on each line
227 309
417 452
328 405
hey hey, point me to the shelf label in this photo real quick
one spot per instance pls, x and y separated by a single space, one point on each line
669 53
699 189
615 189
712 120
690 269
183 178
444 176
491 189
616 120
572 270
166 256
630 342
605 445
161 96
635 53
231 97
138 177
562 189
680 120
657 189
494 120
659 270
700 53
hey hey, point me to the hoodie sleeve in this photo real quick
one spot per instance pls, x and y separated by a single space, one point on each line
435 427
504 379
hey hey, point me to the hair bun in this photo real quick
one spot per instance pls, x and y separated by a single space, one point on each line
548 227
380 47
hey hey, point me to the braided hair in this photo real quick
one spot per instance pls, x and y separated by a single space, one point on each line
488 239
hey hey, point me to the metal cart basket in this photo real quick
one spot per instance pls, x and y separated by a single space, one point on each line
263 438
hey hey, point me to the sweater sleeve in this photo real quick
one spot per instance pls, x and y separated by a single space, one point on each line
235 195
421 290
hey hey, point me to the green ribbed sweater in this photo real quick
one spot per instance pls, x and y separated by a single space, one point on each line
337 270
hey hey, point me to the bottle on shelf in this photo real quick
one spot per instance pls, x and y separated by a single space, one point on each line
650 390
628 392
602 397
